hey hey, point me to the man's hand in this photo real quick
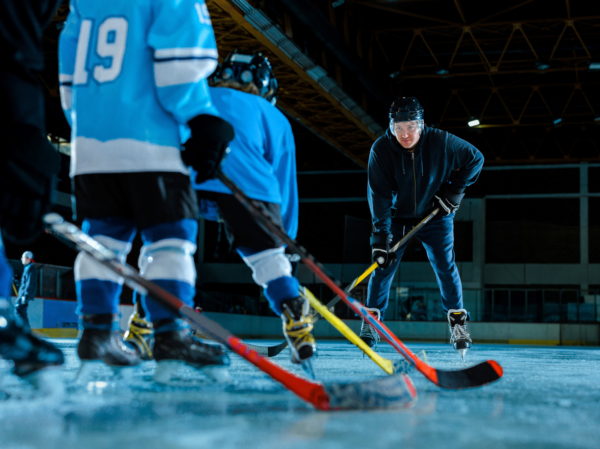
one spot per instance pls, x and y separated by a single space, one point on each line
447 200
380 245
205 149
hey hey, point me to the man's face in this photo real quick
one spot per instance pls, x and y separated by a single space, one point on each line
407 133
26 260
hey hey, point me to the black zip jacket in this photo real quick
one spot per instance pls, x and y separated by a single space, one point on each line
402 184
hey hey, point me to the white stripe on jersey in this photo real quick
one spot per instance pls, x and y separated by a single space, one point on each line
66 97
192 52
182 71
123 156
64 78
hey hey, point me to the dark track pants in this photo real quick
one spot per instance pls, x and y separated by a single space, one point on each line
437 237
21 310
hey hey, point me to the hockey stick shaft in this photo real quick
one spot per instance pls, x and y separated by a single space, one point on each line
383 363
372 268
264 217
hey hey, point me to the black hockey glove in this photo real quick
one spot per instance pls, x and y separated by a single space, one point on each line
205 149
27 176
380 245
447 200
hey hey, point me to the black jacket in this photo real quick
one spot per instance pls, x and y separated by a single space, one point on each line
402 184
28 282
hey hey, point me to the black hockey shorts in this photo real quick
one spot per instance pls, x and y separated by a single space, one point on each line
149 198
242 229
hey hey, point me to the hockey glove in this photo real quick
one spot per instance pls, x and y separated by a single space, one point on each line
447 200
27 176
205 149
380 246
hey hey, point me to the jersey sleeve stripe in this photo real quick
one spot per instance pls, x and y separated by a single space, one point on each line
64 78
167 53
187 71
66 96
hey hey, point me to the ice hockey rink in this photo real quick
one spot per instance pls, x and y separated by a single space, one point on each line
549 397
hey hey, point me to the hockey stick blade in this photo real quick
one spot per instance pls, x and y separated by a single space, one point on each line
476 376
397 391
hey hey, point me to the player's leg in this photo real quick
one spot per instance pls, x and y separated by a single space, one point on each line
378 290
98 293
438 240
140 332
28 353
167 259
272 270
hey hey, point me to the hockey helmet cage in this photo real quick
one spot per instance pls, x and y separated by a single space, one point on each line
250 68
406 109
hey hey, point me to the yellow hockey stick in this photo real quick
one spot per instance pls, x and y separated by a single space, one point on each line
385 364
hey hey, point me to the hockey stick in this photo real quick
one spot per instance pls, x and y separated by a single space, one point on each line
474 376
385 364
272 351
395 391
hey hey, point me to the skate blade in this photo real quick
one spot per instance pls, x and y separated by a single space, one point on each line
124 372
47 381
217 373
87 370
166 369
307 367
463 353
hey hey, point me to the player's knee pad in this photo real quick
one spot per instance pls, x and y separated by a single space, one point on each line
86 267
169 259
269 265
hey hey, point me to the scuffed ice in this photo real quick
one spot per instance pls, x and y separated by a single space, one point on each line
549 398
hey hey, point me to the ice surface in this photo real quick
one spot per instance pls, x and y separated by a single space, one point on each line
549 398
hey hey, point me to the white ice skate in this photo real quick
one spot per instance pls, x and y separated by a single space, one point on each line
459 337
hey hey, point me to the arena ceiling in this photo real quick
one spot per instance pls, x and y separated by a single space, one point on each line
527 70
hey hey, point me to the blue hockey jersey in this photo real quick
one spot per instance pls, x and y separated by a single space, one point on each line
132 74
262 161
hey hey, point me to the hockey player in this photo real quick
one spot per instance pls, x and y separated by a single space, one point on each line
413 169
28 167
133 87
262 163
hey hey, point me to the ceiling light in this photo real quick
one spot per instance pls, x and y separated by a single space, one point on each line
557 120
337 3
441 70
395 74
594 65
473 122
542 65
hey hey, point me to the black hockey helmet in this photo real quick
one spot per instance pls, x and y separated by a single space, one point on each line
253 68
406 109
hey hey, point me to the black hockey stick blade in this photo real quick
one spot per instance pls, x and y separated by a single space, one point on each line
268 351
396 391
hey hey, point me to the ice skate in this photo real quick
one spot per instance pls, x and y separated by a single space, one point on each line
99 343
368 334
140 335
32 357
459 337
172 349
297 328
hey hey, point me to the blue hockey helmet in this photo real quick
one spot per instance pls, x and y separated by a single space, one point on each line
405 109
246 69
